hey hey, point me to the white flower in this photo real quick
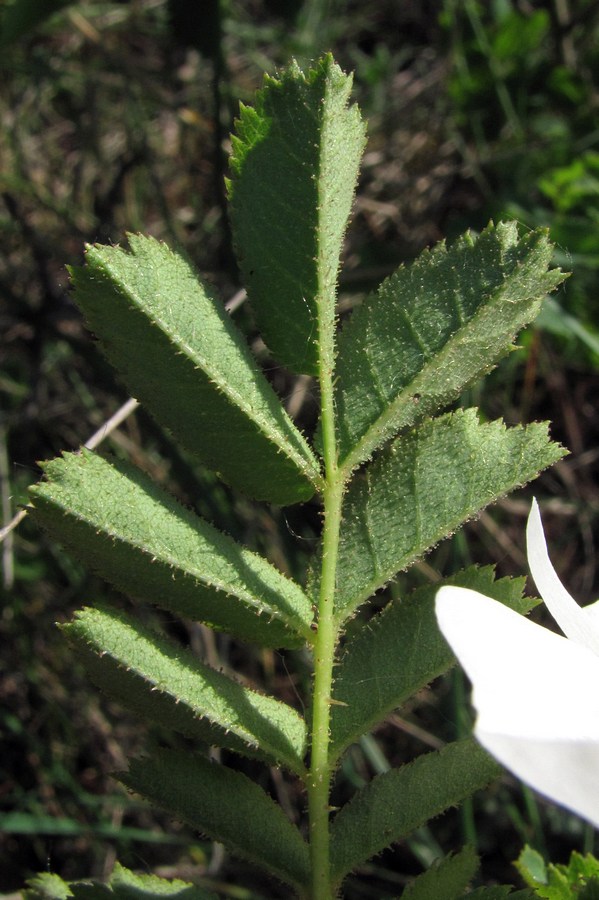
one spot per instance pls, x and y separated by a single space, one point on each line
536 693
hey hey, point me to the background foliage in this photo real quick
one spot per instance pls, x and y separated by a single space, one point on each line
115 116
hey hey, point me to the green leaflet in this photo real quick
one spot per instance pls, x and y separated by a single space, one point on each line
532 867
294 170
396 803
132 886
47 886
164 682
423 487
432 328
181 356
226 806
558 881
123 885
447 878
400 651
137 537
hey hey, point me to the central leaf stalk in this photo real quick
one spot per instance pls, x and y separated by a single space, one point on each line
321 766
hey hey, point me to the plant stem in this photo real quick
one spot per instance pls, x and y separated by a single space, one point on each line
319 779
324 654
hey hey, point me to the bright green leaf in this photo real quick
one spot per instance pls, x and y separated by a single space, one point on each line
161 681
137 537
127 885
399 652
423 487
447 878
47 886
532 867
294 171
182 357
579 878
123 885
432 328
396 803
225 805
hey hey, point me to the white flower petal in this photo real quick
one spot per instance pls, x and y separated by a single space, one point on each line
578 625
591 611
566 772
535 694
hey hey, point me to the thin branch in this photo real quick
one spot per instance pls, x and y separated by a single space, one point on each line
94 441
112 423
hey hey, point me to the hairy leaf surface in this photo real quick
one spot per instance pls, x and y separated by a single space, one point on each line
294 170
225 805
137 537
423 487
432 328
182 357
396 803
164 682
447 878
400 651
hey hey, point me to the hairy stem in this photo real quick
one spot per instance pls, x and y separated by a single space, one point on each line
319 780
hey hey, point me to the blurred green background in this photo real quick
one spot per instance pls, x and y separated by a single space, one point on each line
115 117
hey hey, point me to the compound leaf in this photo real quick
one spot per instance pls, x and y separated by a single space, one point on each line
227 806
395 803
181 356
137 537
400 651
432 328
168 684
294 169
423 487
